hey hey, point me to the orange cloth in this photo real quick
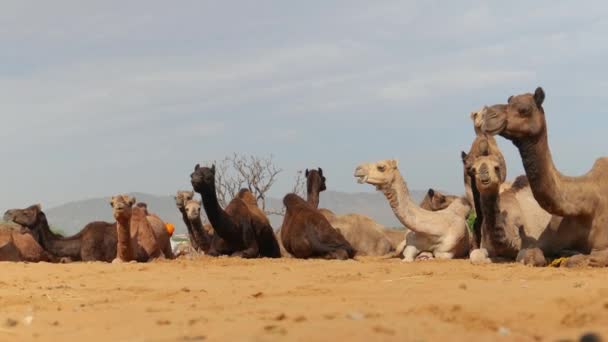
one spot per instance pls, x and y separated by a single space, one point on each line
170 228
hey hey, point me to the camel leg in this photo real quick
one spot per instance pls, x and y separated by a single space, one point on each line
479 256
532 257
410 253
598 258
339 254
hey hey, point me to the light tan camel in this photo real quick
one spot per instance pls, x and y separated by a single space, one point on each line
198 238
18 244
581 201
443 233
436 200
204 232
136 240
163 238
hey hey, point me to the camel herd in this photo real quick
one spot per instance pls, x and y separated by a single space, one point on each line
537 218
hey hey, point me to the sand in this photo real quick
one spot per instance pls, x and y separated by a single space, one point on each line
230 299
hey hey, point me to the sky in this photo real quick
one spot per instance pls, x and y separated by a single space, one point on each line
106 97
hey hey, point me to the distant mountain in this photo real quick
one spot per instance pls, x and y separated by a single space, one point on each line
72 216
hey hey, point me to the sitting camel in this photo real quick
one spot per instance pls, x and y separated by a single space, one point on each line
512 220
18 244
365 235
136 239
436 200
160 228
203 232
237 230
306 233
581 201
474 152
443 233
198 239
95 242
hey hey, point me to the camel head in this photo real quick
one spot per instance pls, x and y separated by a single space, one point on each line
523 116
315 180
27 217
193 209
122 206
381 174
182 197
438 201
487 172
203 178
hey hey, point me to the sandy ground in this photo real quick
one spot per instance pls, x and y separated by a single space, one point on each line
370 299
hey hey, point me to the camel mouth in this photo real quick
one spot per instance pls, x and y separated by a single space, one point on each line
361 179
494 126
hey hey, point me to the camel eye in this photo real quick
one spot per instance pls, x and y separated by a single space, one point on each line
381 168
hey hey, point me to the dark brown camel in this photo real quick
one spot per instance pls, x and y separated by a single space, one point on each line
315 183
95 242
237 231
306 233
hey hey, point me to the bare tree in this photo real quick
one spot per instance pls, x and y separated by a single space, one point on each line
254 173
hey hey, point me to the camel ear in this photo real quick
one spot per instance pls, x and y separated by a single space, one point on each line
510 98
394 163
431 192
463 156
132 200
213 169
539 97
306 173
112 201
473 115
321 172
197 166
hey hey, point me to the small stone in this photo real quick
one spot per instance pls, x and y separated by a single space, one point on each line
355 316
257 295
503 331
280 317
462 286
10 323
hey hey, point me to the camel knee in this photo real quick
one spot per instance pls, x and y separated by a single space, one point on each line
409 253
479 256
532 257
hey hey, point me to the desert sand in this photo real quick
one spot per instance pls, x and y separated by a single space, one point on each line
231 299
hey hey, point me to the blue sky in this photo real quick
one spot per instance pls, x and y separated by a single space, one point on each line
103 97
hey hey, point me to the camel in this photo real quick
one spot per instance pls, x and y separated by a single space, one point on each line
198 239
18 244
474 152
306 233
442 233
136 239
163 236
365 235
95 242
509 221
581 201
203 232
435 200
237 230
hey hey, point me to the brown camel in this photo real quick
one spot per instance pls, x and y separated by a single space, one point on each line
198 239
136 240
435 200
306 233
365 235
163 237
443 233
237 230
95 242
512 220
18 244
474 152
204 232
581 201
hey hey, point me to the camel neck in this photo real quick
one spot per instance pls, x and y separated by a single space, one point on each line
554 192
405 209
218 218
124 250
313 198
58 246
489 208
202 238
